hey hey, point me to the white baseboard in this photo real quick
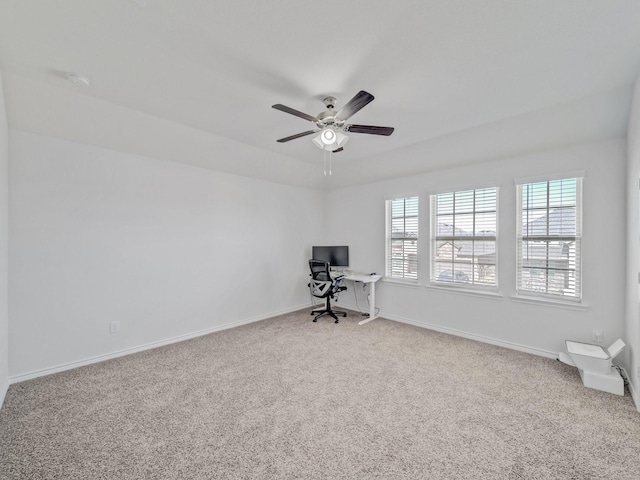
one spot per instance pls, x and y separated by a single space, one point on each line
472 336
635 395
147 346
3 391
633 390
100 358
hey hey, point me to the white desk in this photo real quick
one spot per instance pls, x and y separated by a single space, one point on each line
364 278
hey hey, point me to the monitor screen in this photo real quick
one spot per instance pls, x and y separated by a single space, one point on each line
336 256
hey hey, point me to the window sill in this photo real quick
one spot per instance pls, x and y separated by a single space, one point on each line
401 281
549 302
493 294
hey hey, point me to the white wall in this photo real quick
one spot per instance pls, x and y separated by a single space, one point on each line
169 249
536 328
4 234
633 245
165 249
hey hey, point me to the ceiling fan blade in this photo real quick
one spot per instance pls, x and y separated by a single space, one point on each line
297 135
338 150
354 105
285 109
370 129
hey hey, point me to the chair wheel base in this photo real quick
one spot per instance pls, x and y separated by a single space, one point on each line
329 313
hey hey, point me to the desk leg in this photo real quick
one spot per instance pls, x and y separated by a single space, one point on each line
372 305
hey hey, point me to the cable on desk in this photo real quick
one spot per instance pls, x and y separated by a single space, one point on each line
376 311
355 294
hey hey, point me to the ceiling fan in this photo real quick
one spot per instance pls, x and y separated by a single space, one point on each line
331 125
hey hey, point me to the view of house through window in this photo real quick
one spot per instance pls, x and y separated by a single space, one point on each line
402 238
464 237
549 236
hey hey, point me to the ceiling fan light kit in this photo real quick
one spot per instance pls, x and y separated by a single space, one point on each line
331 126
328 136
329 139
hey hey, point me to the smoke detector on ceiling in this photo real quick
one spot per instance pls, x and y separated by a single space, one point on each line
78 79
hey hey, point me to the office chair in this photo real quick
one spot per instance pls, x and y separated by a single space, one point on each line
323 286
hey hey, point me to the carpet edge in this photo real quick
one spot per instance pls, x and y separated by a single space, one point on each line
472 336
140 348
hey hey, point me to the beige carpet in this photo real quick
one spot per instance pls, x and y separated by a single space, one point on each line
288 398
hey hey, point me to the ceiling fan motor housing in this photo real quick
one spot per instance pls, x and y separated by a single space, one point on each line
328 118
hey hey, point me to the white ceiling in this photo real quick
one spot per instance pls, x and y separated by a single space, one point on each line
193 81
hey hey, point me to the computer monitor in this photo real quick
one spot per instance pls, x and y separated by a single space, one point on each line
337 256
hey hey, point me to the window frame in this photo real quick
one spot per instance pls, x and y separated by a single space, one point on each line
410 269
550 269
474 285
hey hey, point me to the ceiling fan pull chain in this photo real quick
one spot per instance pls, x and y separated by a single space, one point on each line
324 156
330 153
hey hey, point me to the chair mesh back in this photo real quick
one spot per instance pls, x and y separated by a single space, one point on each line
321 282
319 270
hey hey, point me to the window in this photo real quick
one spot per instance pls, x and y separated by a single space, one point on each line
548 238
402 238
464 237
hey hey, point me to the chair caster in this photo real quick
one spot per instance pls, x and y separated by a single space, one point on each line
337 321
315 320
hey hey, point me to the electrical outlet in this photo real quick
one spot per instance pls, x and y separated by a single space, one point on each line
114 327
597 336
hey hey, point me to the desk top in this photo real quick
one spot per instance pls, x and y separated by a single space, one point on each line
357 276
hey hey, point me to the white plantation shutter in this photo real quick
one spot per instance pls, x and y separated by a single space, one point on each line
464 237
549 236
402 238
